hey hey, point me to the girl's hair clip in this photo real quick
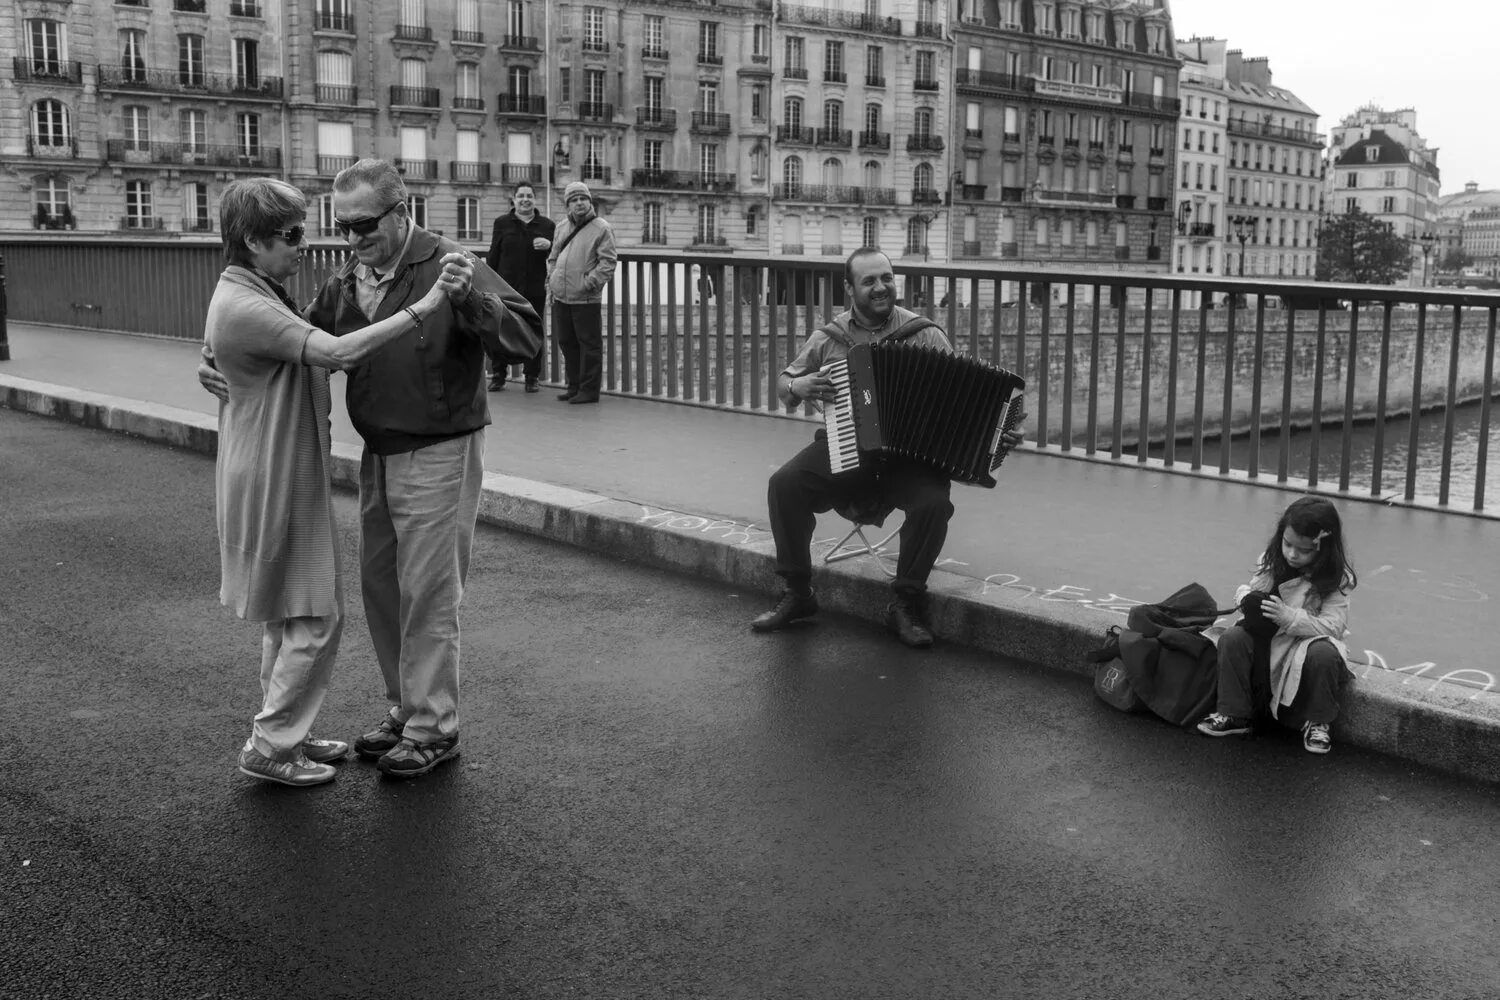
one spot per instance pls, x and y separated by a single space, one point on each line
1318 542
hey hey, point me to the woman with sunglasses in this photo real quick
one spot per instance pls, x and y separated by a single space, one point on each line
278 547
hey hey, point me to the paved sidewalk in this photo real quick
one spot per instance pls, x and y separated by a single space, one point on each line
1037 568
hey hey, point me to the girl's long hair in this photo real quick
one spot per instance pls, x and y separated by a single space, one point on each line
1331 569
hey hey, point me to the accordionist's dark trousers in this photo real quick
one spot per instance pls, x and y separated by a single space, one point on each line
805 487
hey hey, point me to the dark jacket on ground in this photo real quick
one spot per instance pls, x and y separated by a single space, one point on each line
427 385
513 257
1172 665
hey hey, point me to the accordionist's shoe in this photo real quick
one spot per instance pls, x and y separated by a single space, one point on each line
904 617
788 609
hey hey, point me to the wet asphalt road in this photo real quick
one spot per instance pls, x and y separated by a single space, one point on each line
654 802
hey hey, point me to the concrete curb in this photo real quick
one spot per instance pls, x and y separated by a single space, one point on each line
1402 715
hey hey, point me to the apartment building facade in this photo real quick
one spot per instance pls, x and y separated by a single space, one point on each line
1380 163
1066 151
1198 231
132 115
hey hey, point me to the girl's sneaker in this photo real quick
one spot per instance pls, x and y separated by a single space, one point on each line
1220 724
1315 738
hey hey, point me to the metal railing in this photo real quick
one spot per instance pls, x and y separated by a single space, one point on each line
1363 392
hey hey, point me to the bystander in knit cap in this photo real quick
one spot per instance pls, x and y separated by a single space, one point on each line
577 187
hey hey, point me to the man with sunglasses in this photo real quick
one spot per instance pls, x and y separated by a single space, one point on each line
421 407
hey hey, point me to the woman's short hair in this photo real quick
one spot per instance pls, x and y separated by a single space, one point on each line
378 174
254 208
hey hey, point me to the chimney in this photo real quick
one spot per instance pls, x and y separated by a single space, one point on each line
1471 187
1233 66
1258 72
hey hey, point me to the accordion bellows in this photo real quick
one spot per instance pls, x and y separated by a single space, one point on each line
944 410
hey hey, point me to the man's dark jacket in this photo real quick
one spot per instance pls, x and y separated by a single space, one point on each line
514 258
427 385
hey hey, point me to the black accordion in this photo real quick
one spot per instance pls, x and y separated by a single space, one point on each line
921 403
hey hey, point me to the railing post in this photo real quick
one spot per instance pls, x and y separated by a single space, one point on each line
4 339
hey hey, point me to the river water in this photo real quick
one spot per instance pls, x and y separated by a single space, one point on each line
1463 469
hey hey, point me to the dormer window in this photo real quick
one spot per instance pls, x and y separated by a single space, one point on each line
1372 153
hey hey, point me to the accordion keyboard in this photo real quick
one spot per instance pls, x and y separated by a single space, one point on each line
838 419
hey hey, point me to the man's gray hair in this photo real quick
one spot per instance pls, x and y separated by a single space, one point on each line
378 174
254 208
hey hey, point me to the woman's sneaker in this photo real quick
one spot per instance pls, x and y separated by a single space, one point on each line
1315 737
1220 724
381 740
296 772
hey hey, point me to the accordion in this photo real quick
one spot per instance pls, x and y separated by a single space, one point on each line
944 410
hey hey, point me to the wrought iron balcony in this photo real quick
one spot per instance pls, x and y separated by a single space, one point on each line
416 97
795 134
330 165
710 59
924 144
520 43
710 121
989 79
335 93
422 170
926 196
48 70
840 138
1124 201
149 223
833 194
664 119
331 21
1012 195
924 85
791 249
708 241
521 104
656 237
928 29
650 53
1200 229
201 225
874 81
468 37
413 33
853 20
190 6
244 8
468 103
595 45
131 77
191 154
1168 105
50 148
971 248
833 249
1156 204
874 140
972 192
795 72
596 111
835 76
596 172
514 173
1052 196
1266 130
470 173
682 180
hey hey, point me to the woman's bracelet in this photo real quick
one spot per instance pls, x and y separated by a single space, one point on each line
413 314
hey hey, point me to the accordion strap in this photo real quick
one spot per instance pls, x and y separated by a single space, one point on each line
910 328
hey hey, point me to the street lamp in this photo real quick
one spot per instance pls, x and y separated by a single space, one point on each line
1243 226
1427 240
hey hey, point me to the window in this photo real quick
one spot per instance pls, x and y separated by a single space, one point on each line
466 146
1065 232
872 118
466 86
413 150
136 120
924 67
515 21
791 113
1390 178
794 55
335 139
593 29
758 163
654 34
1388 205
335 80
190 60
922 177
138 211
1351 180
1372 153
593 86
874 64
1041 232
708 160
872 174
758 102
520 82
922 123
247 135
416 207
707 224
413 74
655 90
833 115
708 41
708 97
245 64
466 22
192 128
195 215
833 61
133 55
972 126
468 218
653 231
760 42
45 47
50 127
791 175
593 157
869 233
1012 123
53 209
833 172
916 235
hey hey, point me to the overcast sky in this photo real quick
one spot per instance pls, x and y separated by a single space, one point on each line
1441 57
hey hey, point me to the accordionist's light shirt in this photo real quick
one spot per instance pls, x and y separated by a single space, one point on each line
821 349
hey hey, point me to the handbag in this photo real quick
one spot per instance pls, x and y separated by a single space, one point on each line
1111 682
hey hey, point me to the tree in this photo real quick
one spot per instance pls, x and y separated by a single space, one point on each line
1359 249
1455 260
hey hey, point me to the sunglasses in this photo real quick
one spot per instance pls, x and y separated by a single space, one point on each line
363 227
293 236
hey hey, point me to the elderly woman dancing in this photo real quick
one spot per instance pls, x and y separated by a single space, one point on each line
278 547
